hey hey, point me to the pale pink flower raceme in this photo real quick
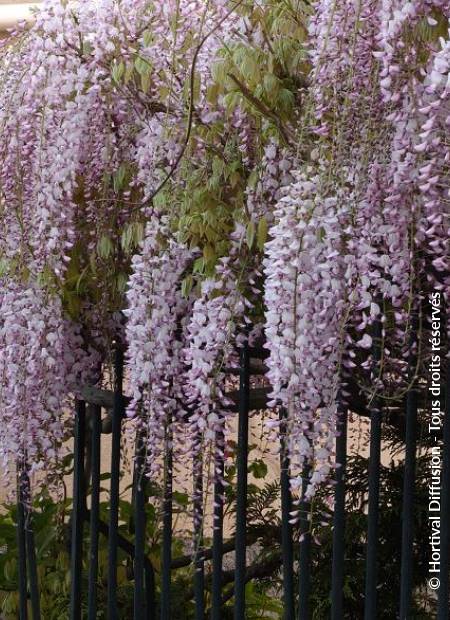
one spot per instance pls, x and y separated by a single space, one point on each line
43 361
156 309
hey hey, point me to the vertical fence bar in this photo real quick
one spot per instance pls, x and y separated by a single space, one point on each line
21 546
287 548
32 570
199 562
117 414
406 571
217 543
139 535
304 559
370 601
241 492
77 513
150 591
443 593
337 569
167 528
30 546
96 427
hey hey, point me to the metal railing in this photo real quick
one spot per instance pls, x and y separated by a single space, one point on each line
294 561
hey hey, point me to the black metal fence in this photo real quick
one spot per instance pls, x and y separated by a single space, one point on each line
295 555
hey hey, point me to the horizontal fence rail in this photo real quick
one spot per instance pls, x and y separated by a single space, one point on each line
209 591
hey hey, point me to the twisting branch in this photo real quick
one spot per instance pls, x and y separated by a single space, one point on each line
258 570
187 137
260 106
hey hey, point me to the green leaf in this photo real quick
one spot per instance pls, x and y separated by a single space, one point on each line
128 72
142 66
219 72
271 84
218 166
259 469
212 94
4 266
199 265
121 282
231 100
119 177
250 237
208 253
262 233
147 38
182 499
186 286
118 71
105 247
253 179
249 69
320 233
286 100
144 69
126 239
87 48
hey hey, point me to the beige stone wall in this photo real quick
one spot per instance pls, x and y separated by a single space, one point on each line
12 12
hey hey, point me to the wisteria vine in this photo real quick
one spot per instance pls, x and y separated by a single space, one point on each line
208 175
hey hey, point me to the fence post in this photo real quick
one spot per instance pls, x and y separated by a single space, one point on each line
406 571
370 601
78 510
139 534
96 422
217 544
199 563
287 549
30 545
166 562
117 414
241 498
337 570
150 591
304 559
21 546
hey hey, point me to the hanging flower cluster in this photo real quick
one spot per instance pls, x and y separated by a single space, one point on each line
362 229
156 311
43 360
309 276
433 163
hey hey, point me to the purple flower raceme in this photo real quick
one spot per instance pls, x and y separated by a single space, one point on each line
43 361
156 310
307 297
